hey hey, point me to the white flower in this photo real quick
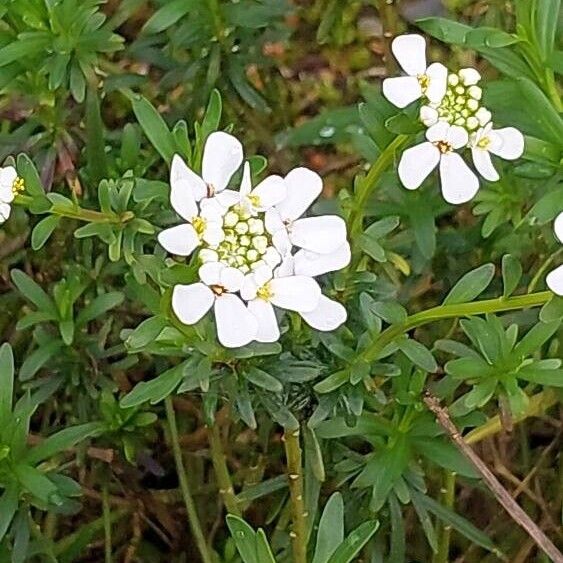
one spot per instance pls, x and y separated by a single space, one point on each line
263 291
322 234
236 326
431 81
508 143
265 195
554 279
10 185
459 183
307 263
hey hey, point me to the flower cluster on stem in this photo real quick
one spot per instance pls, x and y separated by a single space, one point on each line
257 251
455 118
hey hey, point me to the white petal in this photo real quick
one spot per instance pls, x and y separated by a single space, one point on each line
295 293
558 226
328 315
213 234
313 264
185 188
428 116
457 136
469 76
222 157
273 221
270 192
191 302
236 325
210 273
438 131
416 163
8 176
271 257
208 255
5 210
437 83
303 187
402 90
286 268
459 183
246 183
508 143
227 198
482 161
554 280
232 279
410 52
181 240
281 242
268 329
320 234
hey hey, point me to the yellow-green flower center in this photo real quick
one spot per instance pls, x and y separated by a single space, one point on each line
265 292
18 185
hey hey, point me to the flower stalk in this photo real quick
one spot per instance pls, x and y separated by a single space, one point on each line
441 312
295 478
222 471
189 503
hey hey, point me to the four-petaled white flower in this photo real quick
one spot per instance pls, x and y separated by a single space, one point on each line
10 184
236 325
554 279
459 184
508 143
262 197
431 81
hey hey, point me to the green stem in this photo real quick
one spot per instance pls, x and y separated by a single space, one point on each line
222 471
295 478
215 10
452 311
107 524
448 499
189 503
77 212
370 182
551 87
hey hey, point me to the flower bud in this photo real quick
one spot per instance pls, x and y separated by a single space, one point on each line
241 228
483 115
469 76
231 219
472 105
472 123
475 92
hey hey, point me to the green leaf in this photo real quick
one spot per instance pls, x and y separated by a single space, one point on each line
426 523
332 382
155 128
352 545
8 507
212 116
28 172
550 377
146 332
63 440
263 550
331 529
95 146
43 230
155 390
244 538
535 338
32 291
168 15
445 455
548 14
456 521
418 354
471 285
36 483
552 310
262 379
390 311
99 306
511 274
6 384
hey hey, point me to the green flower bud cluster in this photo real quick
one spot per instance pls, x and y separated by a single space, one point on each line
462 104
246 239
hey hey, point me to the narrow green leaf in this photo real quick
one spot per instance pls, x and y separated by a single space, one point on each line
28 172
535 338
156 389
43 230
262 379
471 285
354 542
95 145
418 354
32 291
511 274
167 16
244 538
8 507
6 383
99 306
331 529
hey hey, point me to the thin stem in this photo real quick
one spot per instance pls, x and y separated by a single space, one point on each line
448 499
189 503
452 311
370 182
541 270
551 87
295 478
77 212
107 524
222 471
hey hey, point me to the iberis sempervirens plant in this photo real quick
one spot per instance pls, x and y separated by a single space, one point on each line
456 120
257 251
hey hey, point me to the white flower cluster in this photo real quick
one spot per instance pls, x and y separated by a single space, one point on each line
246 241
554 279
455 118
10 185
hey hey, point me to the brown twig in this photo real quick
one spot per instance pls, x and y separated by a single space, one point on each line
500 493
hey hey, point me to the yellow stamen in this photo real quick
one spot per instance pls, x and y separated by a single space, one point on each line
424 81
18 186
254 200
218 290
265 292
484 143
199 224
444 147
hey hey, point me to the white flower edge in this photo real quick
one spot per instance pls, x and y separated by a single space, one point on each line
8 175
554 279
